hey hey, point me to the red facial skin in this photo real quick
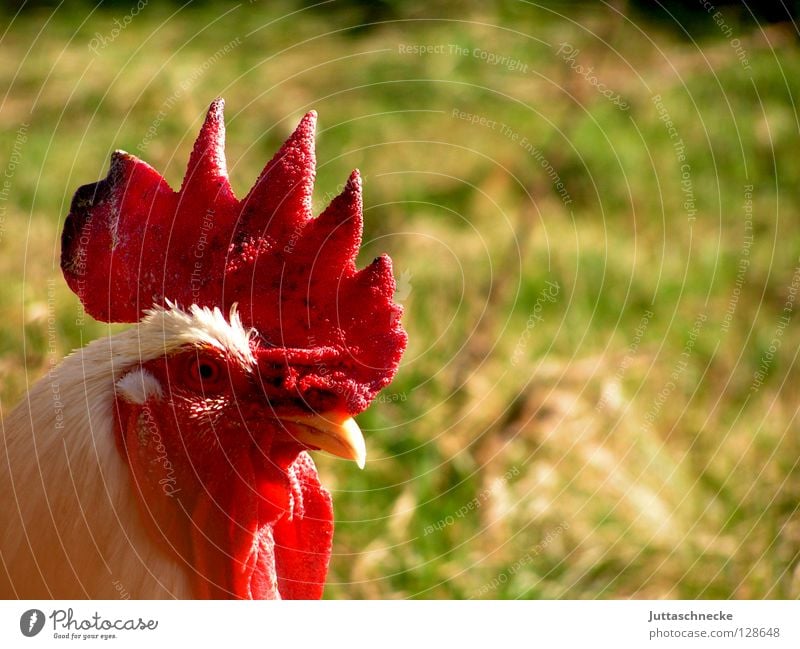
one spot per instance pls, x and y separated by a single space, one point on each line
222 485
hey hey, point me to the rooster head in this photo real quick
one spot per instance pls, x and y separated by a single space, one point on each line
257 339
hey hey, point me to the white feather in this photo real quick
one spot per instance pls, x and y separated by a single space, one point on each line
138 386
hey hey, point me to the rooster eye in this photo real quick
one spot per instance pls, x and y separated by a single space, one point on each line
205 373
206 370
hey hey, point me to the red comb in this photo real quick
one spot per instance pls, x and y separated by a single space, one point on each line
130 242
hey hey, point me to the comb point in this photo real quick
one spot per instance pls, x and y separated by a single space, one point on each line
207 171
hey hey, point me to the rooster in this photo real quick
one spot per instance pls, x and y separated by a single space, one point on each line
170 460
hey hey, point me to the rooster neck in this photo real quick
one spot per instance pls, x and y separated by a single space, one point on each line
70 528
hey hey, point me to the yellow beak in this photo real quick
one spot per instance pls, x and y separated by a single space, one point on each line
336 433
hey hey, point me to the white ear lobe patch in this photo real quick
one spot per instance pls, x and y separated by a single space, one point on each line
138 386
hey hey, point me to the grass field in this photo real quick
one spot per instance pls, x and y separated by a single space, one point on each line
595 223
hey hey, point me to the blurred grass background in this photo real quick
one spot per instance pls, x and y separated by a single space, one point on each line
610 438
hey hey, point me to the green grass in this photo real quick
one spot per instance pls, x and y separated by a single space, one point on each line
608 492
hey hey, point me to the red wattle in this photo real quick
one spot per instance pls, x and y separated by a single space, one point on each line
304 537
265 539
258 525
